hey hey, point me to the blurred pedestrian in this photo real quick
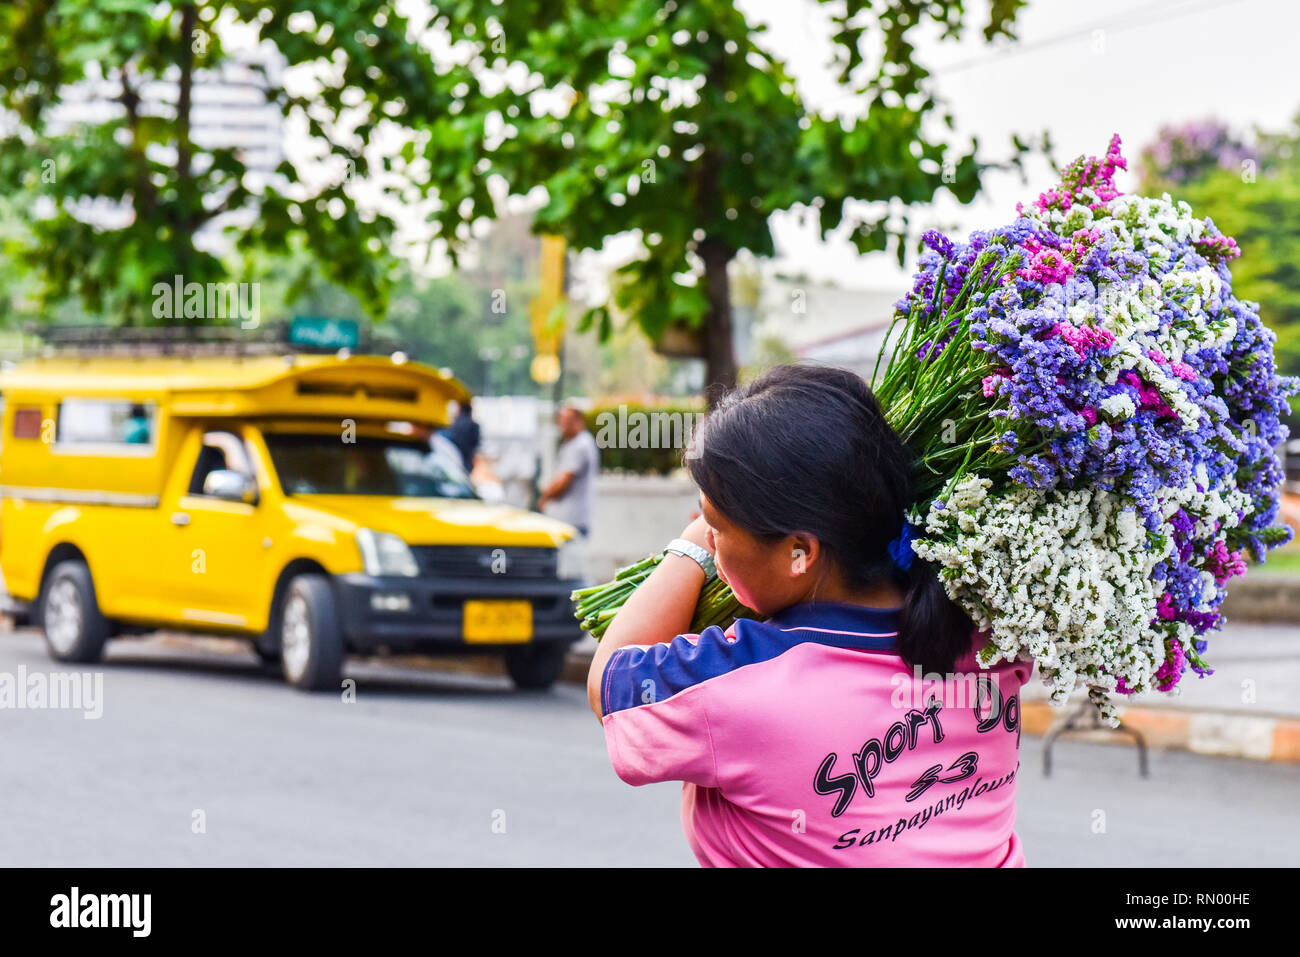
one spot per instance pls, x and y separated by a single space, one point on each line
465 434
570 495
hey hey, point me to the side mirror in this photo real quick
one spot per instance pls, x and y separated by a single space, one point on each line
231 486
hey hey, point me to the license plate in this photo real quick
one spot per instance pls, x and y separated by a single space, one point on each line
498 622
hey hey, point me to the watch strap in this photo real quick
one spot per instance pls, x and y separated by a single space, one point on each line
701 556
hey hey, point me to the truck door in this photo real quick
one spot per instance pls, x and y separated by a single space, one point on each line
219 552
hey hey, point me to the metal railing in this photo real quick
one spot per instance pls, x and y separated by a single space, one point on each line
179 341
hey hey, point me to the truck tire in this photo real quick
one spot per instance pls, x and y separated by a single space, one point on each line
71 621
536 667
311 642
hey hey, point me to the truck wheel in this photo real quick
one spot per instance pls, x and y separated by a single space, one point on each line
311 643
536 667
74 629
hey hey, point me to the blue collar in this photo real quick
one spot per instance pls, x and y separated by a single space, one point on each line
879 624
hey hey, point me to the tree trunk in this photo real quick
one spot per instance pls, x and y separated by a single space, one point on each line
719 356
185 218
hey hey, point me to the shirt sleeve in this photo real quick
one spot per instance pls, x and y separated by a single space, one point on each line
653 698
593 455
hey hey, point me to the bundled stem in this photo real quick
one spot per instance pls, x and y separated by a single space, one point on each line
596 606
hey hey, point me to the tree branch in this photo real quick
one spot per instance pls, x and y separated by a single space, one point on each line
184 149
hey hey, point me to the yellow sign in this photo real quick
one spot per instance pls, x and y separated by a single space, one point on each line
545 369
548 335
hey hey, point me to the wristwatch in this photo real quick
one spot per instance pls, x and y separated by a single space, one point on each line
701 556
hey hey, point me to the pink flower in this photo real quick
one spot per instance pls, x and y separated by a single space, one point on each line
1183 371
1083 338
1050 266
990 382
1046 265
1102 338
1089 415
1168 674
1222 564
1157 356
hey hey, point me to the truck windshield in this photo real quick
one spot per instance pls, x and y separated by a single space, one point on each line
325 465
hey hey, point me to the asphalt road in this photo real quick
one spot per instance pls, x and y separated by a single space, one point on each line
199 758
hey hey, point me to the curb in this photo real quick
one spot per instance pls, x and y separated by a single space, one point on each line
1217 733
1263 596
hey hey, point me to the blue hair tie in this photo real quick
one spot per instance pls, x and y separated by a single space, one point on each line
900 549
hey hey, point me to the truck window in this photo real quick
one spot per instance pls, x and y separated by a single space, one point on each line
322 465
105 422
221 450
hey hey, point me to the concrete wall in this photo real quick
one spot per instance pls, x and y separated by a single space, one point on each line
635 516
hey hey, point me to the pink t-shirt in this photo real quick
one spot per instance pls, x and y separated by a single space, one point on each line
806 741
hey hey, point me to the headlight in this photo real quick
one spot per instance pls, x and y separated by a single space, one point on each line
385 554
572 560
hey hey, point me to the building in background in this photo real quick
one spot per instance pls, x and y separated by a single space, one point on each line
827 324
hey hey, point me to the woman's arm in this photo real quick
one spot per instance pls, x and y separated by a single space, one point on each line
659 610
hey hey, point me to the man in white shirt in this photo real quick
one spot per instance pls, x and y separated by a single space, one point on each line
570 496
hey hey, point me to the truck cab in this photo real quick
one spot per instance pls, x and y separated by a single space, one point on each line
291 500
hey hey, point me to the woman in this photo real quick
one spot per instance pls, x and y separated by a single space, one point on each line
852 727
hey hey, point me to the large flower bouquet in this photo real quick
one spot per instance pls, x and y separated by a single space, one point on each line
1094 416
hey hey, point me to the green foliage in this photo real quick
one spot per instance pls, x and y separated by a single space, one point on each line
1263 214
666 120
669 120
172 186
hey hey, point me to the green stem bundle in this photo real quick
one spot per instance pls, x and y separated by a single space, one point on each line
596 606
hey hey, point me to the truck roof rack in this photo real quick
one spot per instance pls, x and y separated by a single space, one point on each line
182 341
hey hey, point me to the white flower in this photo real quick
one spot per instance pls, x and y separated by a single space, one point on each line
1118 406
1060 576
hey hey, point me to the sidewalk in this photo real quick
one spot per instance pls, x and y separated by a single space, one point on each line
1248 708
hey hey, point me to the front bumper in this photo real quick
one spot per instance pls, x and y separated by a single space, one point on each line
433 623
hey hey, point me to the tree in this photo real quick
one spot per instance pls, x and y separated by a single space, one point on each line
669 120
368 75
1188 152
1255 200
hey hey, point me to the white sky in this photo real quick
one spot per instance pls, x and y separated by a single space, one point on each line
1153 62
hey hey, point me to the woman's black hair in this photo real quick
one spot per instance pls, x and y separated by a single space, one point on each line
807 448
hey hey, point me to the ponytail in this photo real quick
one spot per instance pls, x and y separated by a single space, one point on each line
934 632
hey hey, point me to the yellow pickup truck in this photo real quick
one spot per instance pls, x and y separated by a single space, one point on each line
291 499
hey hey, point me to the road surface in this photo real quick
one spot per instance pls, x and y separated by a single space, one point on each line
199 758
